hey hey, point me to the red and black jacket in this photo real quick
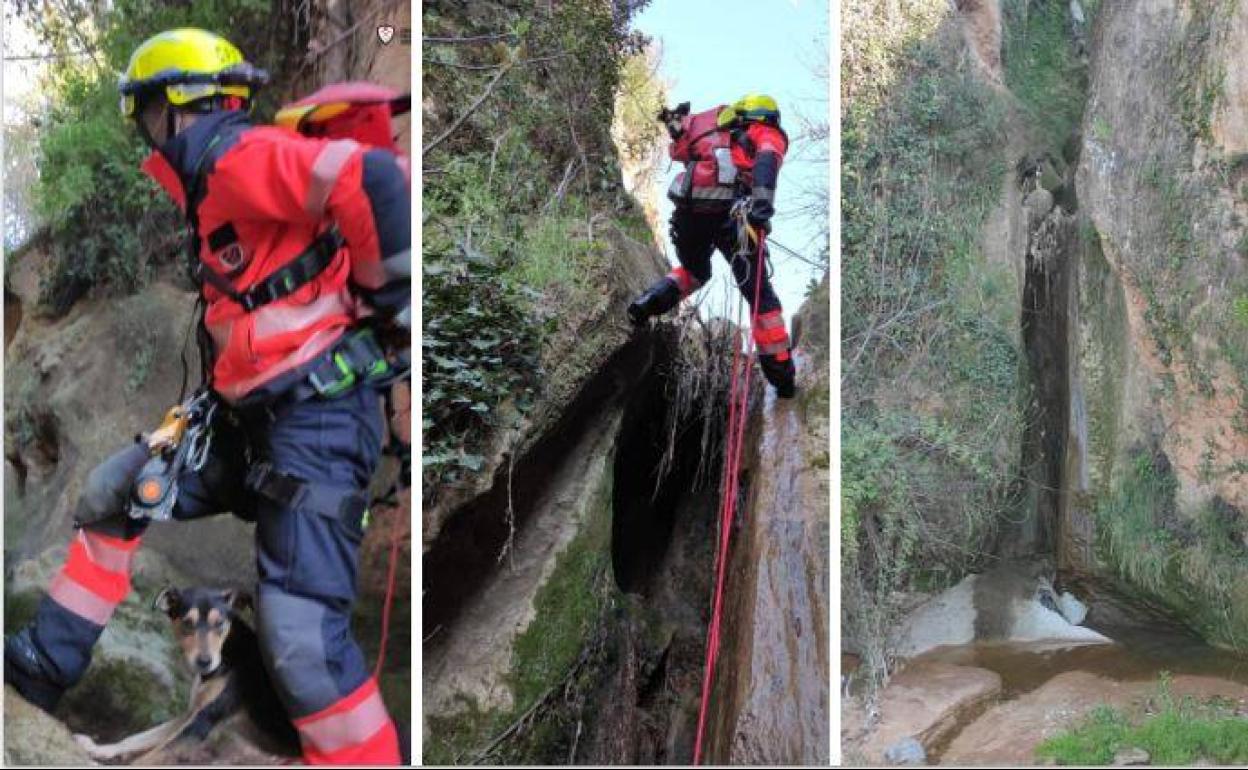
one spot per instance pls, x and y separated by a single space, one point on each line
724 163
260 197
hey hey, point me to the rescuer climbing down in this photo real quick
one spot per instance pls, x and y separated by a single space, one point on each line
732 156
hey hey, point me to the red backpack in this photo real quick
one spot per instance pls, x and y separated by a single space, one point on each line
361 111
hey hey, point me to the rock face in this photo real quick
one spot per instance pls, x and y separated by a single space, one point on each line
34 738
1156 374
982 26
81 387
925 704
774 689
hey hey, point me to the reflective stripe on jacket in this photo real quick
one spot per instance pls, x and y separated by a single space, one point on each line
264 200
720 163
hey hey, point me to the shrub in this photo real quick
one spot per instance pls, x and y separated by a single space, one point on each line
107 224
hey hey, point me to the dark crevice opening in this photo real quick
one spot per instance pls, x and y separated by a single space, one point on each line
646 496
466 551
1052 250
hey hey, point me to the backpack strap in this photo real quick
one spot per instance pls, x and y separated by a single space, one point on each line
284 281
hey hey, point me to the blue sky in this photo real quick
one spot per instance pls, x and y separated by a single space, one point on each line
715 51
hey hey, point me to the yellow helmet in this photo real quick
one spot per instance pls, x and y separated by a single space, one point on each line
187 65
759 108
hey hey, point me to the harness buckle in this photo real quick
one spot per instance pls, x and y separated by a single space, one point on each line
340 384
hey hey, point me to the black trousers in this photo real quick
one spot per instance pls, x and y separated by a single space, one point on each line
696 235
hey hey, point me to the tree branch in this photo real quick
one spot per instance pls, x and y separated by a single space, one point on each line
467 40
39 57
489 89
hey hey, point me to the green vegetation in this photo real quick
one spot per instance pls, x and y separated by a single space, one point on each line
1200 77
1179 733
931 364
520 174
107 224
557 655
1196 567
1042 69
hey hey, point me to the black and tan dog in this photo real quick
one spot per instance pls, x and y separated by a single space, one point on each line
229 680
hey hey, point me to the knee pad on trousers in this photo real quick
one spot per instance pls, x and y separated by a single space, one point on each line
309 651
107 490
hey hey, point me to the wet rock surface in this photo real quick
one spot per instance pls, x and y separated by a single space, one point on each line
922 705
775 666
1008 734
1009 604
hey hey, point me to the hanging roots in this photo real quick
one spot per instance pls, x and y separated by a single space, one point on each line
697 391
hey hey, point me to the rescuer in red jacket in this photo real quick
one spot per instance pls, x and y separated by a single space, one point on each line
731 153
298 243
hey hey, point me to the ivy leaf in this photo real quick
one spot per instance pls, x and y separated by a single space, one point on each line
448 363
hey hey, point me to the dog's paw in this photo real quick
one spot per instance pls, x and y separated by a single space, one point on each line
93 749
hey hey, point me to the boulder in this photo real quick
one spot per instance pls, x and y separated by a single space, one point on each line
32 737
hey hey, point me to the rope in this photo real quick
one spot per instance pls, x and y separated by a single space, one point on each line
738 413
396 536
396 540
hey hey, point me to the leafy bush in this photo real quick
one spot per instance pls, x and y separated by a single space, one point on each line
1041 67
475 357
1194 566
107 224
519 166
931 364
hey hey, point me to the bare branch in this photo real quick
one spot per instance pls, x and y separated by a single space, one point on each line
489 89
467 40
40 57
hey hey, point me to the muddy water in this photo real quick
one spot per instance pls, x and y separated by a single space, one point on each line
1025 667
1140 654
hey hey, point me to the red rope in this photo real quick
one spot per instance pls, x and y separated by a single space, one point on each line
396 539
738 412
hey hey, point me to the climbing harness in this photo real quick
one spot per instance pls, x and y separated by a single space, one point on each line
181 443
282 282
363 113
738 413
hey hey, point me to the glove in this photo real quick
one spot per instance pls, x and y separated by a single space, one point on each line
759 215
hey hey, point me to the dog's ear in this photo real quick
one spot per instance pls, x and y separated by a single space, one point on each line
169 601
239 599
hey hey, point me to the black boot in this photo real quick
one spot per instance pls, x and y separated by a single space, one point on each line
26 669
781 374
658 299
